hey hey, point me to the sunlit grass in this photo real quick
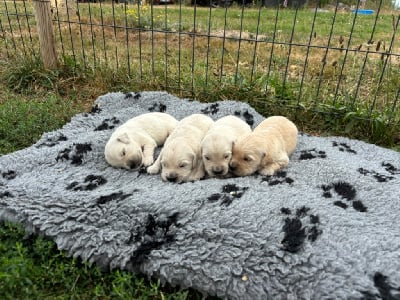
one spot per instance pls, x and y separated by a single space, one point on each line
308 59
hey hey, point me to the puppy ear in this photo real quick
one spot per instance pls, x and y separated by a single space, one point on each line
197 160
123 138
194 160
265 159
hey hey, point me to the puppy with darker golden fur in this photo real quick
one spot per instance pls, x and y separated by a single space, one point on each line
266 149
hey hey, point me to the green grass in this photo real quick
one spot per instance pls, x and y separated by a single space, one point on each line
31 267
22 122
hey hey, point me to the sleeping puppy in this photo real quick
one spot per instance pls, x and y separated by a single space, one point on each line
180 158
266 149
132 144
216 147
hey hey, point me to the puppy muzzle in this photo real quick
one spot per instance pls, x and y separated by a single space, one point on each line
172 177
218 171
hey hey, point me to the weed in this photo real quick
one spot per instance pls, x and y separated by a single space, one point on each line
144 17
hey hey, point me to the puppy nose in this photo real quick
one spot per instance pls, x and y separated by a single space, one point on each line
134 164
172 177
218 172
233 165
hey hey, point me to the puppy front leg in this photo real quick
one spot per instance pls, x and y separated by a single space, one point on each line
199 172
148 154
155 168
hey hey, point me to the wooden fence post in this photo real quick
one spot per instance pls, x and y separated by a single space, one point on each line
46 33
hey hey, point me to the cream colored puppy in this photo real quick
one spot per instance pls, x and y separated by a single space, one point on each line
132 144
180 158
216 147
266 149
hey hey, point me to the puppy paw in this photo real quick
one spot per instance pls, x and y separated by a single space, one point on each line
268 170
148 161
153 169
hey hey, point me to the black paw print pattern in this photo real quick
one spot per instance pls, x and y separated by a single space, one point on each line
248 117
131 95
158 107
385 289
311 154
75 153
390 168
279 178
52 141
152 235
118 196
107 124
299 227
347 192
230 192
10 174
344 147
377 176
211 109
6 194
90 183
381 177
94 110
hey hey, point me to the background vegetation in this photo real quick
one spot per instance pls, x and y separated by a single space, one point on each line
34 100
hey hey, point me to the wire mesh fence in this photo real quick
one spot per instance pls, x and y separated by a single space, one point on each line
325 57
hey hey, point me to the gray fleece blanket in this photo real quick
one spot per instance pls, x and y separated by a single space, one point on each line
325 227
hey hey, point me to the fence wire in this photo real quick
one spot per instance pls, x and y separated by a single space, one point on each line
328 57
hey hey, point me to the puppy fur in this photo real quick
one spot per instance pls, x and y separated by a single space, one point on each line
216 147
180 158
266 149
132 144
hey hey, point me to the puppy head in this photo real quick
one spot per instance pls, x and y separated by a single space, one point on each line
178 161
216 154
246 157
122 152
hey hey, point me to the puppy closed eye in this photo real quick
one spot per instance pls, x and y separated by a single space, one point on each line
183 165
206 157
227 156
123 152
247 158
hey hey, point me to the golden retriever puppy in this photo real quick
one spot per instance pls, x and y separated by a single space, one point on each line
266 149
133 143
180 158
216 147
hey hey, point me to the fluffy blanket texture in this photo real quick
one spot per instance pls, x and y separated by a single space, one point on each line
326 227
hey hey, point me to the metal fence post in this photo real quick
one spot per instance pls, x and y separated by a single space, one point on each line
46 33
